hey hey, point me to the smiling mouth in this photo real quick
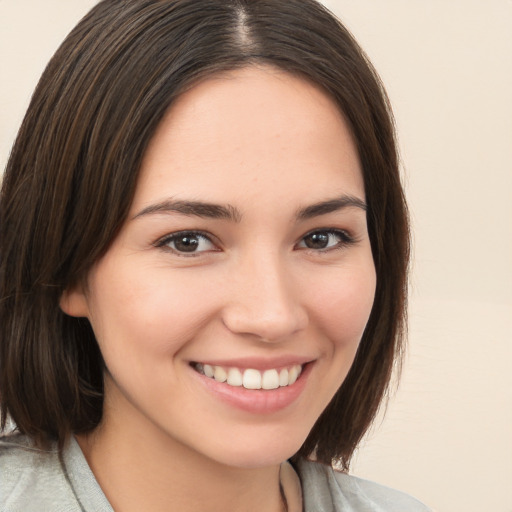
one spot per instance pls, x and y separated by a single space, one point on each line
250 378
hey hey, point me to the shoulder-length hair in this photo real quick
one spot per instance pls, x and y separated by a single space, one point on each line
73 170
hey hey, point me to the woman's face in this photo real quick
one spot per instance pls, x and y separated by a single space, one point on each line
245 255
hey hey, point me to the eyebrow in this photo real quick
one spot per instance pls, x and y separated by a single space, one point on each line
193 208
330 206
231 213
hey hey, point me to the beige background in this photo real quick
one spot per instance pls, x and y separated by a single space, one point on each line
447 435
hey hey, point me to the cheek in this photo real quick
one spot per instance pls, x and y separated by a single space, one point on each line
343 305
144 312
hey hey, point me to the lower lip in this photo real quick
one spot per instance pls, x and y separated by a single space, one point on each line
257 401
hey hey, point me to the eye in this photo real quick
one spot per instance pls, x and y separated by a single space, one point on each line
187 242
326 239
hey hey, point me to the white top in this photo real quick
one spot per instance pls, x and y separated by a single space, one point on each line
33 480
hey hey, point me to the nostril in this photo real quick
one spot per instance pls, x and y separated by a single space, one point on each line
263 301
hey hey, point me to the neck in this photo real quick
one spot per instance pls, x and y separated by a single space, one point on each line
140 469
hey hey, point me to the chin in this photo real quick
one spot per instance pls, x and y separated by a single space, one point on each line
251 452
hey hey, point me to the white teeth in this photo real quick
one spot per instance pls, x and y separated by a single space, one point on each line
293 375
234 377
270 379
251 378
208 370
219 374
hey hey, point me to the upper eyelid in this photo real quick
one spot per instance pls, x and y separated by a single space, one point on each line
170 236
349 237
331 230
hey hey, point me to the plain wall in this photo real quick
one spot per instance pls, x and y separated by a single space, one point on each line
447 65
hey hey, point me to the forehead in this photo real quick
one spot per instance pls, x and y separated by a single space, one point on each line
253 130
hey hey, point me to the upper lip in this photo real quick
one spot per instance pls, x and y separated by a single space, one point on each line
259 363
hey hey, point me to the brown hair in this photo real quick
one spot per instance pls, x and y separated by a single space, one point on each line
73 171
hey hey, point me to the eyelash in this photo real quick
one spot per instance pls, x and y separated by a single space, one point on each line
164 242
345 240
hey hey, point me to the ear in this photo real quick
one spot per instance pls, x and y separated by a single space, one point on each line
73 302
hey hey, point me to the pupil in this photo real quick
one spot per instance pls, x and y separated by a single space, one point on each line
186 244
317 240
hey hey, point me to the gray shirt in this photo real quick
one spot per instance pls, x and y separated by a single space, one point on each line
32 480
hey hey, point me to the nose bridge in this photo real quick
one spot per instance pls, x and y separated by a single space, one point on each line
263 302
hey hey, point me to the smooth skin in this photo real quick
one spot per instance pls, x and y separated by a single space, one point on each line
263 275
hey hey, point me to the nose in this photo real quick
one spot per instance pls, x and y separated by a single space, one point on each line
264 301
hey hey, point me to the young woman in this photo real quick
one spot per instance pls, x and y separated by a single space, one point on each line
204 246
